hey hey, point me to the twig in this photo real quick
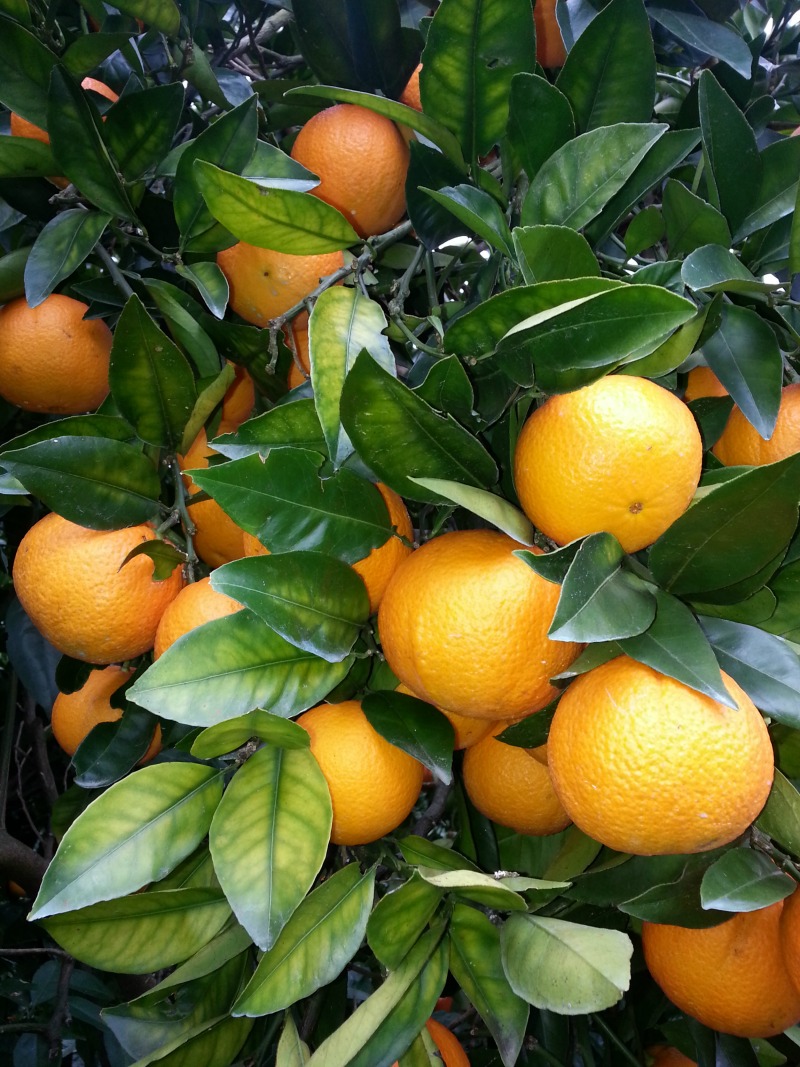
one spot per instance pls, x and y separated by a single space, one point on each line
61 1012
434 811
402 286
268 29
34 727
612 1037
117 276
8 745
35 952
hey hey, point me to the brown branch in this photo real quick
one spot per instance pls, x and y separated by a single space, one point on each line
20 863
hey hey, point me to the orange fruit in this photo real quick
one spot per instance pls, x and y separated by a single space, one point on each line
217 539
52 359
76 714
410 94
621 455
509 787
464 622
72 584
702 381
196 604
238 402
738 977
646 765
361 159
742 445
466 731
550 50
373 784
667 1056
450 1048
299 332
264 284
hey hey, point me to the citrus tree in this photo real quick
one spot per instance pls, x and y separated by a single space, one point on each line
400 487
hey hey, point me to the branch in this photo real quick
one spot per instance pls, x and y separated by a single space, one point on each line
20 863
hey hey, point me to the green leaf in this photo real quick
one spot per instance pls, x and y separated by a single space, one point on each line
59 250
495 509
724 537
476 964
93 481
540 121
399 919
610 72
565 967
295 425
287 221
134 833
673 352
765 666
677 902
230 666
210 282
675 645
228 143
600 600
645 229
342 324
181 314
578 180
12 268
26 64
412 725
162 15
317 603
780 818
446 386
690 221
151 382
422 1052
430 169
228 736
549 253
292 1052
473 50
400 437
481 888
743 880
703 33
140 127
289 506
778 193
420 852
76 136
733 165
478 212
111 749
318 941
141 933
23 157
87 52
712 269
530 732
269 836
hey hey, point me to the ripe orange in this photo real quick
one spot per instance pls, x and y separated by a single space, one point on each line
264 284
621 455
741 444
76 714
550 50
410 94
464 624
702 381
362 160
52 359
667 1056
238 402
511 788
299 332
217 538
739 977
646 765
194 605
466 731
450 1048
373 784
72 584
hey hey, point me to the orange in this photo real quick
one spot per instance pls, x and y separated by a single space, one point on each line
621 455
194 605
72 584
52 359
373 784
702 381
742 445
299 332
450 1048
466 731
736 977
550 50
410 95
510 788
464 624
361 159
76 714
217 539
238 402
667 1056
646 765
264 284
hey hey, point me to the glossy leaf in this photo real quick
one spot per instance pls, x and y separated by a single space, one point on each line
96 482
281 219
778 193
530 732
162 15
744 880
540 121
780 818
430 169
610 72
318 941
722 538
476 964
287 504
733 165
132 834
294 425
473 50
413 726
706 35
143 932
577 181
111 749
400 437
317 603
59 250
269 836
712 269
495 509
478 212
677 901
228 736
87 52
181 315
481 888
26 64
420 852
549 253
565 967
231 666
23 157
210 282
399 919
213 1042
291 1052
691 221
140 127
151 382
